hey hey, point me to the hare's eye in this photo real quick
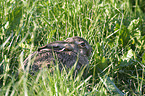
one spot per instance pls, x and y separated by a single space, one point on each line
82 44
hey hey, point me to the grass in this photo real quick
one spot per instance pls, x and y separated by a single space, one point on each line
115 29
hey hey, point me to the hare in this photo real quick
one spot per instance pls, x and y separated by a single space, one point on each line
64 53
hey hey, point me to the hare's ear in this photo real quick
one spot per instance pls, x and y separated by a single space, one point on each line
46 47
66 48
50 48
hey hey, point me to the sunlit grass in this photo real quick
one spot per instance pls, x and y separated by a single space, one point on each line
114 29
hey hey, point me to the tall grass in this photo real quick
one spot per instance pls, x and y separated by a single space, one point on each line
115 29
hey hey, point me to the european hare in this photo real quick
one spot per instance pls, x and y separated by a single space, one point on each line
65 52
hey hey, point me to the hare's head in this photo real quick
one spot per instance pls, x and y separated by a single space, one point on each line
82 45
74 44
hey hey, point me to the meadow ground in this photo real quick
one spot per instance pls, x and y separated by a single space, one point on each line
114 28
